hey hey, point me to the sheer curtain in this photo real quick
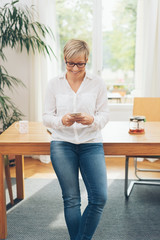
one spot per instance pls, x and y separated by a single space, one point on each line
42 68
147 67
97 37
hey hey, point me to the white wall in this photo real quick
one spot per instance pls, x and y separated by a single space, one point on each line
18 65
120 112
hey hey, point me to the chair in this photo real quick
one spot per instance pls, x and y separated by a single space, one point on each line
150 108
8 179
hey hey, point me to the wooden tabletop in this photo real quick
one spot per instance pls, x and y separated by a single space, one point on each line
37 133
36 141
117 132
116 139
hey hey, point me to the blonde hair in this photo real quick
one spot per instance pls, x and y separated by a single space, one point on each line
74 48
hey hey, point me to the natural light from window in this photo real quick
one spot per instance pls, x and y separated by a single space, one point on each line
119 35
76 20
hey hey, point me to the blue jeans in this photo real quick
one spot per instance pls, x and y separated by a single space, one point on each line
67 159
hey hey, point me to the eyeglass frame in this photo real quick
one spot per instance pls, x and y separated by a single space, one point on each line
84 64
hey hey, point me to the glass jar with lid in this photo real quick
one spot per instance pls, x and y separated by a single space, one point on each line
137 125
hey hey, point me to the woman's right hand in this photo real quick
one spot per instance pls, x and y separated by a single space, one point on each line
68 120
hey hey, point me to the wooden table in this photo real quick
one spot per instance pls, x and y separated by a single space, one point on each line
117 141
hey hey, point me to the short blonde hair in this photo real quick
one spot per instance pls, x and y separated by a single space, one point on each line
74 48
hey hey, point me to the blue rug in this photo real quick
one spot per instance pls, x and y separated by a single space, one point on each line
40 215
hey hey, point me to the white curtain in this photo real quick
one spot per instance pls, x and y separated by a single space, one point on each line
97 54
147 66
42 68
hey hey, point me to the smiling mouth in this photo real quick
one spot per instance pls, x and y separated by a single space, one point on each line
75 72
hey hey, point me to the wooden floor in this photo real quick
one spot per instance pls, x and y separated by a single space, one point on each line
34 168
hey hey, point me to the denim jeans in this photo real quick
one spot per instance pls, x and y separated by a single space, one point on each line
67 159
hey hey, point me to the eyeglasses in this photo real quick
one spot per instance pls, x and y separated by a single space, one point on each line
79 65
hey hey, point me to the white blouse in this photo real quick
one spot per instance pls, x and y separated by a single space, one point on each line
91 98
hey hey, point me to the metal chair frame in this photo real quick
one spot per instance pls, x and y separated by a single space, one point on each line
145 170
129 186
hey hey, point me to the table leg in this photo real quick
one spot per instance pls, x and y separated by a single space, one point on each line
127 189
126 177
3 217
20 176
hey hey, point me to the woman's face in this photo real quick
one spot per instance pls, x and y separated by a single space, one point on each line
78 69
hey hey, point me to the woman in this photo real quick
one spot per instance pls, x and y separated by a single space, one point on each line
76 109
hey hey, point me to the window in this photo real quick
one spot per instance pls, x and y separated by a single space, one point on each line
75 20
119 37
109 27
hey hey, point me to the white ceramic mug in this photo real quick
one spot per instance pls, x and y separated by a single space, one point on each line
22 126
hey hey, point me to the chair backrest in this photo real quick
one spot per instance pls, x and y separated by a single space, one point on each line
148 107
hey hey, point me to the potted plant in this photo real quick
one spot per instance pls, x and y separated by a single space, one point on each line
18 30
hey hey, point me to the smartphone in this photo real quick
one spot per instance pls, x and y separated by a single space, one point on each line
75 114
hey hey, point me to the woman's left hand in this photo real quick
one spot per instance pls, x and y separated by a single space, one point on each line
84 119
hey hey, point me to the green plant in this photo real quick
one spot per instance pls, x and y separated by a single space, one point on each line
18 30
